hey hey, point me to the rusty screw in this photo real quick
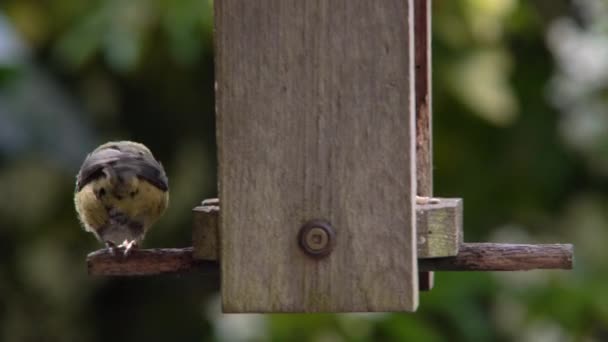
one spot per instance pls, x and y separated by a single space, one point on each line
317 238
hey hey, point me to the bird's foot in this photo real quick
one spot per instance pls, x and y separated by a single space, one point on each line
111 246
128 246
426 200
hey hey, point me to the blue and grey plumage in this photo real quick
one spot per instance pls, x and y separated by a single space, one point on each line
121 190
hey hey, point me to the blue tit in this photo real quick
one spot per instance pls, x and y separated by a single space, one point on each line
121 191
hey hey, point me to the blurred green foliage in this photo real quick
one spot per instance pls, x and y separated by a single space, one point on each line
520 128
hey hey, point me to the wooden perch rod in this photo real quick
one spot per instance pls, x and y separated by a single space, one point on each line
144 262
472 257
503 257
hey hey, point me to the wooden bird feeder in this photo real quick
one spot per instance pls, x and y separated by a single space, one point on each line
324 136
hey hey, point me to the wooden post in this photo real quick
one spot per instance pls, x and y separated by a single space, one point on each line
315 113
424 134
205 234
439 228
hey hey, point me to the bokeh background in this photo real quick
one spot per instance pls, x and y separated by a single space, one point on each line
521 123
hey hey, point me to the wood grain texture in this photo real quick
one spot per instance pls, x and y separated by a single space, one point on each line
503 257
145 262
205 232
472 257
315 121
439 228
438 223
424 129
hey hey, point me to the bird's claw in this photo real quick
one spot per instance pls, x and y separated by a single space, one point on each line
128 246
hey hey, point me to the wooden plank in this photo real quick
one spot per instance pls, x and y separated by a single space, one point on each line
315 121
424 133
439 221
424 129
472 257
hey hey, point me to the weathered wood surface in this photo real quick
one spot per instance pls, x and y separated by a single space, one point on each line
438 221
315 121
503 257
439 227
424 133
145 262
205 231
424 129
472 257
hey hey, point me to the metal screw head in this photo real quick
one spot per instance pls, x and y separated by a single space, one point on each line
317 238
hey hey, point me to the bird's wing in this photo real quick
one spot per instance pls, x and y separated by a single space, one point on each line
93 165
143 166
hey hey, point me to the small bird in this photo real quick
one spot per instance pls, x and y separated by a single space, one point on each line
121 191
